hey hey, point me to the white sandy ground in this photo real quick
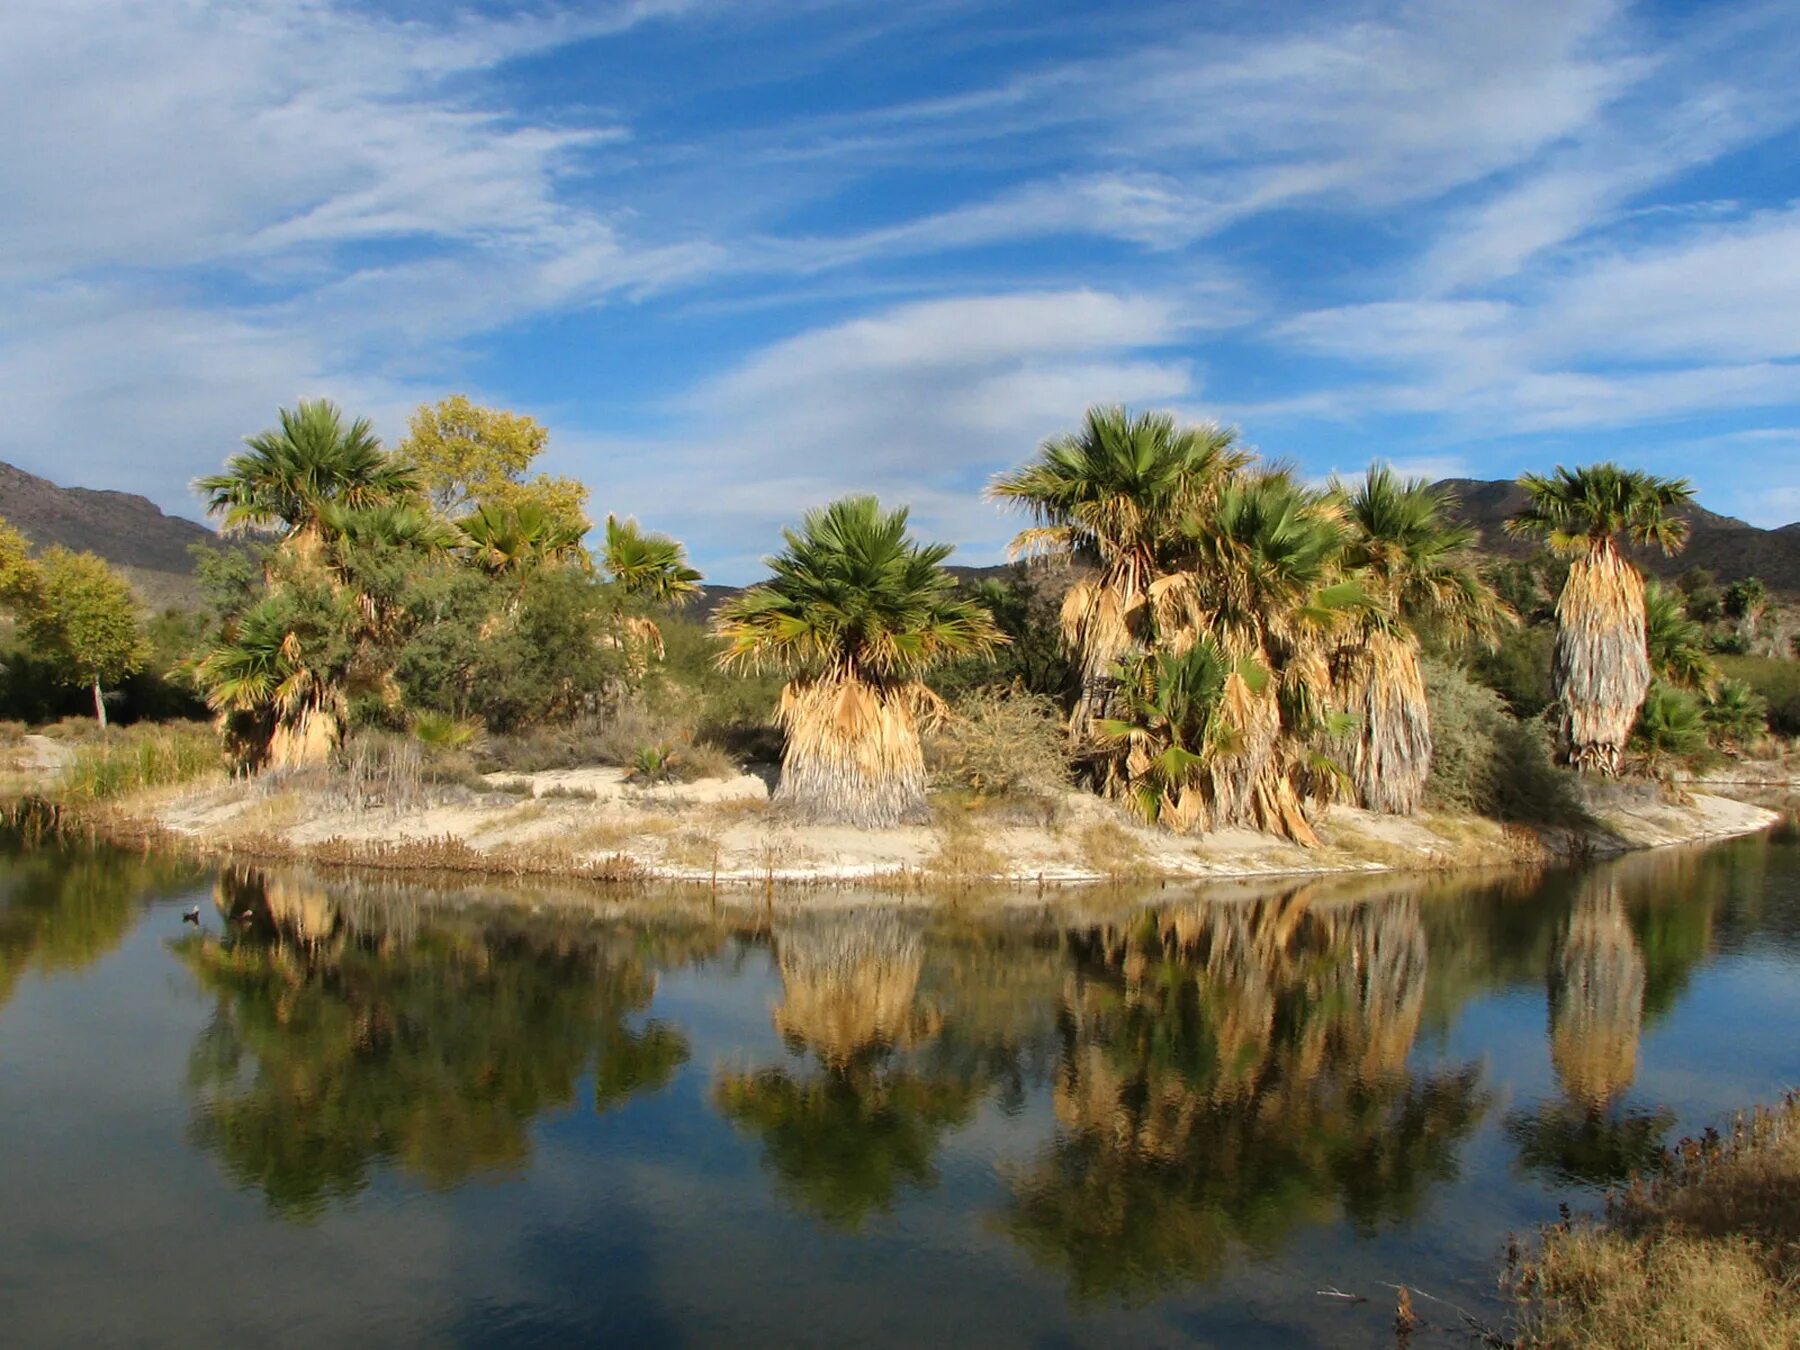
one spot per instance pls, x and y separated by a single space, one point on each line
724 832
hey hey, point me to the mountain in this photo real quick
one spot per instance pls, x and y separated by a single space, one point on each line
1723 545
132 533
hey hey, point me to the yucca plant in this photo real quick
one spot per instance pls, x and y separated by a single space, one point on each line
1601 667
856 613
1111 496
1413 562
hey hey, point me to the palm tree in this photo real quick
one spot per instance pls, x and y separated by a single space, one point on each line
1674 643
1601 668
1167 716
277 679
1746 601
1413 562
1111 496
291 474
1735 714
510 538
648 567
856 612
1264 581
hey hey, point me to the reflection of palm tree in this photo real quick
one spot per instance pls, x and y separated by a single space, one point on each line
1230 1071
849 985
846 1138
339 1045
1596 996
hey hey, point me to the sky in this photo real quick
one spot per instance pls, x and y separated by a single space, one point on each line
743 258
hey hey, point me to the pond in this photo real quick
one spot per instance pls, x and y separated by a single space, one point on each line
364 1112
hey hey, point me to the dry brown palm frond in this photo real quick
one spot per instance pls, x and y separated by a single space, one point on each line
854 752
1601 667
1382 686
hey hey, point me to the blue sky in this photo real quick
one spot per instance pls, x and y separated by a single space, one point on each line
741 258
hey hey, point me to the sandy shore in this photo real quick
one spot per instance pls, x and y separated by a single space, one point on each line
724 832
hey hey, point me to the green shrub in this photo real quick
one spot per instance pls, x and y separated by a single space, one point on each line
1776 681
1519 670
1487 762
130 759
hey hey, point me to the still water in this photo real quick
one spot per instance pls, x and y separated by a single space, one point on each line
364 1113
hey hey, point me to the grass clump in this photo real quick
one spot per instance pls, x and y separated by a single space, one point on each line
963 853
1706 1254
1001 743
130 759
1487 762
1112 851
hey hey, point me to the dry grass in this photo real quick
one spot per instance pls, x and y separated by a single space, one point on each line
1357 846
1112 851
1705 1255
693 848
963 854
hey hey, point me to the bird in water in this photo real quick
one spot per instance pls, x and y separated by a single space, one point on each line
191 915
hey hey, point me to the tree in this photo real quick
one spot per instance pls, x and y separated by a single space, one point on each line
19 577
1675 643
856 613
291 474
278 677
84 614
1110 496
1735 714
468 456
1413 563
1700 594
1601 668
509 538
1167 716
1745 602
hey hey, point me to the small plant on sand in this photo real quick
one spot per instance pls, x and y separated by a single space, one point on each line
1112 851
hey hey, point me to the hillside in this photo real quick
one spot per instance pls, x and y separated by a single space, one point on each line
1723 545
130 532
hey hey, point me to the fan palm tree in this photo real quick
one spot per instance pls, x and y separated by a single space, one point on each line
280 669
1413 562
648 567
291 474
1168 718
1735 714
510 538
856 612
1263 579
1601 668
1674 643
1110 496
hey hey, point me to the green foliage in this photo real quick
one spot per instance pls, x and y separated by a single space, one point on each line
1575 510
1700 595
1487 762
1033 658
1167 718
1519 670
1676 643
468 456
1670 729
134 758
291 473
1775 681
651 568
83 616
853 593
1735 714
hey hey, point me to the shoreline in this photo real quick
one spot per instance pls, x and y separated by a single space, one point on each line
722 834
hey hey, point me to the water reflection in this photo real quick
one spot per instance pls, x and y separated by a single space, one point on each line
62 912
859 1121
1228 1073
343 1040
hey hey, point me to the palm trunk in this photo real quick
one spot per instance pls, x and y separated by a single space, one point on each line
99 704
1601 669
853 752
1392 756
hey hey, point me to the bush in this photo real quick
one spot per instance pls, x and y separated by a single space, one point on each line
130 759
1519 670
1778 684
1001 743
1487 762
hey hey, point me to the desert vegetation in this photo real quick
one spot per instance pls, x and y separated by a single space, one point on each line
1190 631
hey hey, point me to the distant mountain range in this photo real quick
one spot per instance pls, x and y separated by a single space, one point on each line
132 533
1725 546
151 546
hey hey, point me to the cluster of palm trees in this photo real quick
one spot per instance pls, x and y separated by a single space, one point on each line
1247 645
342 512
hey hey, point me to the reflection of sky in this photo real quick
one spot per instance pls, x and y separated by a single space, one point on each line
657 1221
